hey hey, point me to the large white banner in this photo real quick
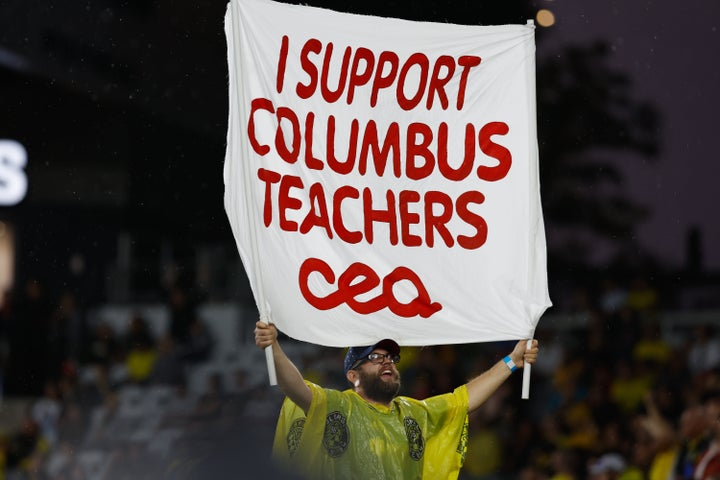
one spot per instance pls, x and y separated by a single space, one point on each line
382 175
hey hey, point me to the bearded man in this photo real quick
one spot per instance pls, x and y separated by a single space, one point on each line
369 431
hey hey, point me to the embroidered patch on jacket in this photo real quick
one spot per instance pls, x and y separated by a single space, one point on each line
336 437
415 438
294 434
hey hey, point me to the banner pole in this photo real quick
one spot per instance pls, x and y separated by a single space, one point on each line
526 376
263 306
269 359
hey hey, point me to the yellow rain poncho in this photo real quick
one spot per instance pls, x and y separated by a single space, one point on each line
344 437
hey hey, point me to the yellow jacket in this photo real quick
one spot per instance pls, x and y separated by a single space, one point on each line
345 437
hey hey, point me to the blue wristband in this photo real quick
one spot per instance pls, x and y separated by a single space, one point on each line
511 365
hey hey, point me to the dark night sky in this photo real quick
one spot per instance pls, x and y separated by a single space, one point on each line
670 50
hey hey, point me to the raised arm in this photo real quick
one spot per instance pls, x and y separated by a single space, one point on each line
289 378
481 387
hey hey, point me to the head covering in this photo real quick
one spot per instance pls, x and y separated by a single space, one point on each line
608 463
357 353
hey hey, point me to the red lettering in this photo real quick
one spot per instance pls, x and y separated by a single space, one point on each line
311 162
359 279
413 78
258 104
414 150
492 149
357 77
310 266
327 94
286 202
282 61
287 154
471 218
380 156
437 83
318 214
385 216
399 214
421 61
465 167
269 177
420 305
436 222
408 218
343 168
341 194
311 46
384 81
467 62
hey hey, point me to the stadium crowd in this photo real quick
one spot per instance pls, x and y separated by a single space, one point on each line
612 395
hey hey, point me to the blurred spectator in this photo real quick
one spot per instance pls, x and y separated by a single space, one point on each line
708 466
209 405
103 347
138 333
625 326
704 352
140 350
71 323
168 368
183 312
613 297
532 472
197 346
94 386
241 389
65 334
23 445
568 381
642 297
46 412
661 441
565 465
608 467
72 425
629 387
651 347
597 345
694 440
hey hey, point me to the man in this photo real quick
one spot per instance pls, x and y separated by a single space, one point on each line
693 439
708 466
368 431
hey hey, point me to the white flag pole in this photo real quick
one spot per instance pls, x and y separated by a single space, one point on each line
532 111
526 376
263 306
272 374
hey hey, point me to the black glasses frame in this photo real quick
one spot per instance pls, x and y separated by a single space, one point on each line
377 358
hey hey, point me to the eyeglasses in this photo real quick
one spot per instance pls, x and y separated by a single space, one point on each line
377 359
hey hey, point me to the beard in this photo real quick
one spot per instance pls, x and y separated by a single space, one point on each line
377 389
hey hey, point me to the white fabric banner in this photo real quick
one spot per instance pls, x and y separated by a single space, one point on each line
381 175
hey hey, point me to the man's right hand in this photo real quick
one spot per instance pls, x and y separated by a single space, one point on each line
265 334
289 378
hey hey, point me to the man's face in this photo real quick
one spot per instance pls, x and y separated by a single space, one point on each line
380 382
